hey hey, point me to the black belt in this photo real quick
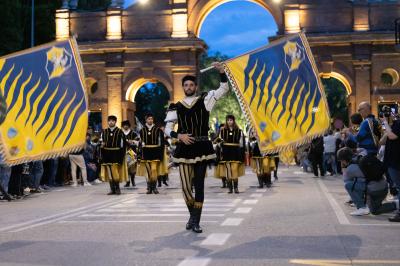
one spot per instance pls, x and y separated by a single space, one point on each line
201 138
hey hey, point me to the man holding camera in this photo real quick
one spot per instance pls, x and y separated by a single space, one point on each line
391 159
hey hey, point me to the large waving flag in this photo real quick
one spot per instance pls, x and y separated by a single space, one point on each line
45 112
280 92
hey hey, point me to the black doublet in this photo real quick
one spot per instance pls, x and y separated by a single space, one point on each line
231 150
152 143
112 152
193 120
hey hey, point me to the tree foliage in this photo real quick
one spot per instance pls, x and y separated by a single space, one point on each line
229 104
336 95
152 98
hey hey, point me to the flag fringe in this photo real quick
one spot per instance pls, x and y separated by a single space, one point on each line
54 154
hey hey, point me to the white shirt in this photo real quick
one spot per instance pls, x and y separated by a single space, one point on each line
209 102
329 144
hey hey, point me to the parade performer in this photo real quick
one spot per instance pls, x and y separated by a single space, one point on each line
261 164
194 149
113 165
152 151
131 151
163 178
231 164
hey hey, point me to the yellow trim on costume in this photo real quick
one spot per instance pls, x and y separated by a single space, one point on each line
151 146
232 144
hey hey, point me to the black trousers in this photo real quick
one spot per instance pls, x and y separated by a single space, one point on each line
317 162
193 174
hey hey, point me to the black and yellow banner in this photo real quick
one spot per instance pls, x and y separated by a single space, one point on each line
43 103
280 92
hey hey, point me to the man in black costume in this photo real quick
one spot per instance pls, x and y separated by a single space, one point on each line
194 149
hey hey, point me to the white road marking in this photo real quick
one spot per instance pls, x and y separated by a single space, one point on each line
232 222
110 210
299 173
127 221
215 239
243 210
62 215
150 215
195 262
250 202
335 206
256 195
261 190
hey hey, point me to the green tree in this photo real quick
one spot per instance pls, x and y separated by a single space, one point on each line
336 95
229 103
152 98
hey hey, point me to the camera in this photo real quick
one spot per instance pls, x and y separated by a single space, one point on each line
386 111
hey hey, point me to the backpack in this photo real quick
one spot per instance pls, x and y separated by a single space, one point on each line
371 167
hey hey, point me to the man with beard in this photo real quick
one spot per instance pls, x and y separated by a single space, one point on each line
194 149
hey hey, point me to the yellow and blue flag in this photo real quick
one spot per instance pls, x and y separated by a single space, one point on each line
44 112
279 90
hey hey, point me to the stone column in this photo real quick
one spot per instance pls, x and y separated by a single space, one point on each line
362 82
361 15
114 93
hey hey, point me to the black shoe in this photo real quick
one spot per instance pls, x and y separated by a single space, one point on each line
165 180
395 219
189 224
230 186
118 192
155 191
149 188
223 182
260 182
111 193
268 185
197 229
127 184
159 182
236 190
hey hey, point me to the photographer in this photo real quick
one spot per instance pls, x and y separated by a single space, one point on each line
391 161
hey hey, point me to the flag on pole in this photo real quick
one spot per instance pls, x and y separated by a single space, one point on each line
280 92
46 104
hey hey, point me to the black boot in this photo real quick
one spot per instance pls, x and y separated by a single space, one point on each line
159 181
223 182
260 181
155 191
230 186
189 224
196 223
112 187
127 184
117 189
235 186
165 178
133 180
267 180
149 188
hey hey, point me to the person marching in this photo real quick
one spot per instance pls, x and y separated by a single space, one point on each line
152 150
113 165
163 177
194 150
231 164
262 165
131 150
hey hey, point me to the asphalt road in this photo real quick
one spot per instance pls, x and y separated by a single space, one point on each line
299 221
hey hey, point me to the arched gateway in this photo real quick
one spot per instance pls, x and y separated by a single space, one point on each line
353 40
